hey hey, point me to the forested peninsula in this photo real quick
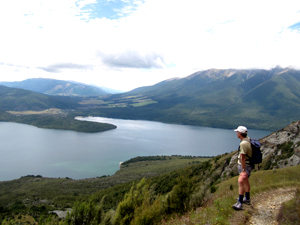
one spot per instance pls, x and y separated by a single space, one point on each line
60 122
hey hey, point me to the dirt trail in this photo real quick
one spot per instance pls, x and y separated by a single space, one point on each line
265 207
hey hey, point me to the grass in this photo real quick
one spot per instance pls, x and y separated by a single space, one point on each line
20 219
217 209
157 167
51 111
115 102
92 102
290 211
144 102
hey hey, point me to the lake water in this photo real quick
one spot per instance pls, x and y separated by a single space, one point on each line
27 150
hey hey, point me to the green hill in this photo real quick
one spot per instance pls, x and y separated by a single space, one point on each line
37 113
219 98
15 99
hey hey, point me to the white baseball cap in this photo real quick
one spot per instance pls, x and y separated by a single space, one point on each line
241 129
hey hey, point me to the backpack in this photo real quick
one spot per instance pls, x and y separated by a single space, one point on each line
256 152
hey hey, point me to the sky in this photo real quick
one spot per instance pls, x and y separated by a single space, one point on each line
125 44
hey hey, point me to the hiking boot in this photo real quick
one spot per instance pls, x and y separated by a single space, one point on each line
238 206
247 202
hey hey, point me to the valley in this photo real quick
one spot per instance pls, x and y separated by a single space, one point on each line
197 189
211 98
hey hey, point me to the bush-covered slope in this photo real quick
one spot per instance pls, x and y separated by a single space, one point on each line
16 99
30 194
57 121
221 98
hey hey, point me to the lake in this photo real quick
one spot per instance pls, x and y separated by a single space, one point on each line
28 150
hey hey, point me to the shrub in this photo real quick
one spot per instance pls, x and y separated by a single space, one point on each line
287 150
133 199
267 162
85 213
17 205
148 213
179 197
197 198
213 189
109 217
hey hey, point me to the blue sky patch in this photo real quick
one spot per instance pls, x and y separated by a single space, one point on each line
295 26
110 9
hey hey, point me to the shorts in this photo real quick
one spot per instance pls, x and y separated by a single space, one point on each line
248 169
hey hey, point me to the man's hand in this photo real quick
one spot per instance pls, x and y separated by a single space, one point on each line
242 178
243 174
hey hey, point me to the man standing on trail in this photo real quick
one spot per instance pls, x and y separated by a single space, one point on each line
244 167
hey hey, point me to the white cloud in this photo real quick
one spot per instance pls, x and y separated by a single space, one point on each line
156 40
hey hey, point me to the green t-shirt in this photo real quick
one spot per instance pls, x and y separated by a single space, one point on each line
245 148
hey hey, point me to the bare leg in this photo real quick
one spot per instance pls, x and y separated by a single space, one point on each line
244 185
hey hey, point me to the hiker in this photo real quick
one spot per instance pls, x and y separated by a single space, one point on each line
244 167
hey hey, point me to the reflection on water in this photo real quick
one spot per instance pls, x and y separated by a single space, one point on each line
54 153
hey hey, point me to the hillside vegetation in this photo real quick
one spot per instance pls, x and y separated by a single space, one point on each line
36 195
212 98
15 99
157 190
219 98
59 121
37 109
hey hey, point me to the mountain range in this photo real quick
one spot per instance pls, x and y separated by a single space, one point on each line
256 98
57 87
263 99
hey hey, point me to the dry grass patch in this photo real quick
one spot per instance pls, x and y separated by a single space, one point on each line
51 111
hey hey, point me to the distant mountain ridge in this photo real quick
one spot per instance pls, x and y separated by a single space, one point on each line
56 87
261 99
256 98
200 79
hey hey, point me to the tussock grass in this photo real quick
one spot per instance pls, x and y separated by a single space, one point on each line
290 211
218 210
